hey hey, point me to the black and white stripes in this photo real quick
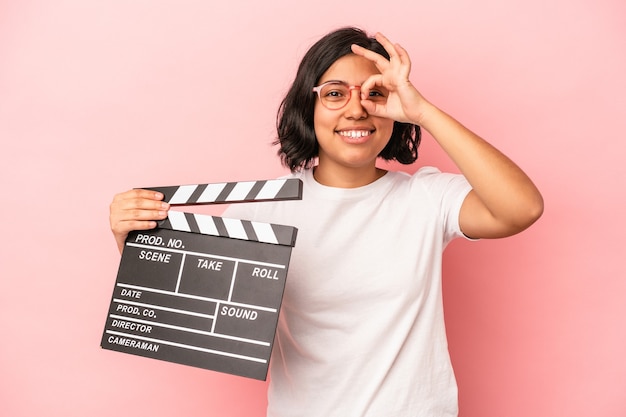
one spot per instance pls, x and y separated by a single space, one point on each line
232 228
232 192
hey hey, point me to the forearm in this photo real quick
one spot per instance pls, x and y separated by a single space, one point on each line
503 188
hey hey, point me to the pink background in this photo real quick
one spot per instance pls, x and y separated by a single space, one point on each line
100 96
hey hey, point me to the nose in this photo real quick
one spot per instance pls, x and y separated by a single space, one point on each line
353 108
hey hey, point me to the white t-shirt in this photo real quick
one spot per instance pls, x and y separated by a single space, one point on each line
361 329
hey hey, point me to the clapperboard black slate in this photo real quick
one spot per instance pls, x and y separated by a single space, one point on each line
202 290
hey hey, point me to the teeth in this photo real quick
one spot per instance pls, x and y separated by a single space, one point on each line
354 133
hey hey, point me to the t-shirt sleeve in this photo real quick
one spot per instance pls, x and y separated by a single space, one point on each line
448 191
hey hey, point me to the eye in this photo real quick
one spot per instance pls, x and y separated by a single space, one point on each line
377 95
335 92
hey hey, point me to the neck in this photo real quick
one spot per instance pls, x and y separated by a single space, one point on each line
346 177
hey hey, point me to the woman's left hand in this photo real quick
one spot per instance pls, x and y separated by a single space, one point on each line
404 103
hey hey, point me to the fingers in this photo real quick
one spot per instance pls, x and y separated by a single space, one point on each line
138 194
373 109
136 210
380 61
397 66
372 83
386 43
393 49
138 205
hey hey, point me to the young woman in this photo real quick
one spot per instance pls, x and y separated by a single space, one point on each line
361 330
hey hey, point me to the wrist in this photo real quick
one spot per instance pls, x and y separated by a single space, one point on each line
427 115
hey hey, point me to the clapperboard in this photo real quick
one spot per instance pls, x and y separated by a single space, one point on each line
202 290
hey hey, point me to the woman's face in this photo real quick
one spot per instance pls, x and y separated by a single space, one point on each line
349 138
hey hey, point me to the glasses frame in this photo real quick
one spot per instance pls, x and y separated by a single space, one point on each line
318 90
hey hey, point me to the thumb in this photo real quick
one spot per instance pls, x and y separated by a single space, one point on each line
372 108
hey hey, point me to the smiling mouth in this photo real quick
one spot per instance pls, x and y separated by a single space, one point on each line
354 134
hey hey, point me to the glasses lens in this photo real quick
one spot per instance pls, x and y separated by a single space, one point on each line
335 95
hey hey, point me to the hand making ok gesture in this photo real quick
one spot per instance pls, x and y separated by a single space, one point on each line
404 104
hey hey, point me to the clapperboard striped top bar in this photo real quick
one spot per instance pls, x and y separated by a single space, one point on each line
276 234
232 192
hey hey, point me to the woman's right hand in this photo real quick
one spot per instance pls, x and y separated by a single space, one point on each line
135 210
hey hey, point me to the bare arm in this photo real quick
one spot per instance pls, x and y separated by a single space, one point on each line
503 200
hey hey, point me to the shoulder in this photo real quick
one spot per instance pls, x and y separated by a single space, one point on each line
429 187
431 178
425 177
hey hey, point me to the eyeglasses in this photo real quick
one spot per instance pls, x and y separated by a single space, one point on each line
335 95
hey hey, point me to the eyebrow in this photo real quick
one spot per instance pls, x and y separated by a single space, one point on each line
335 81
